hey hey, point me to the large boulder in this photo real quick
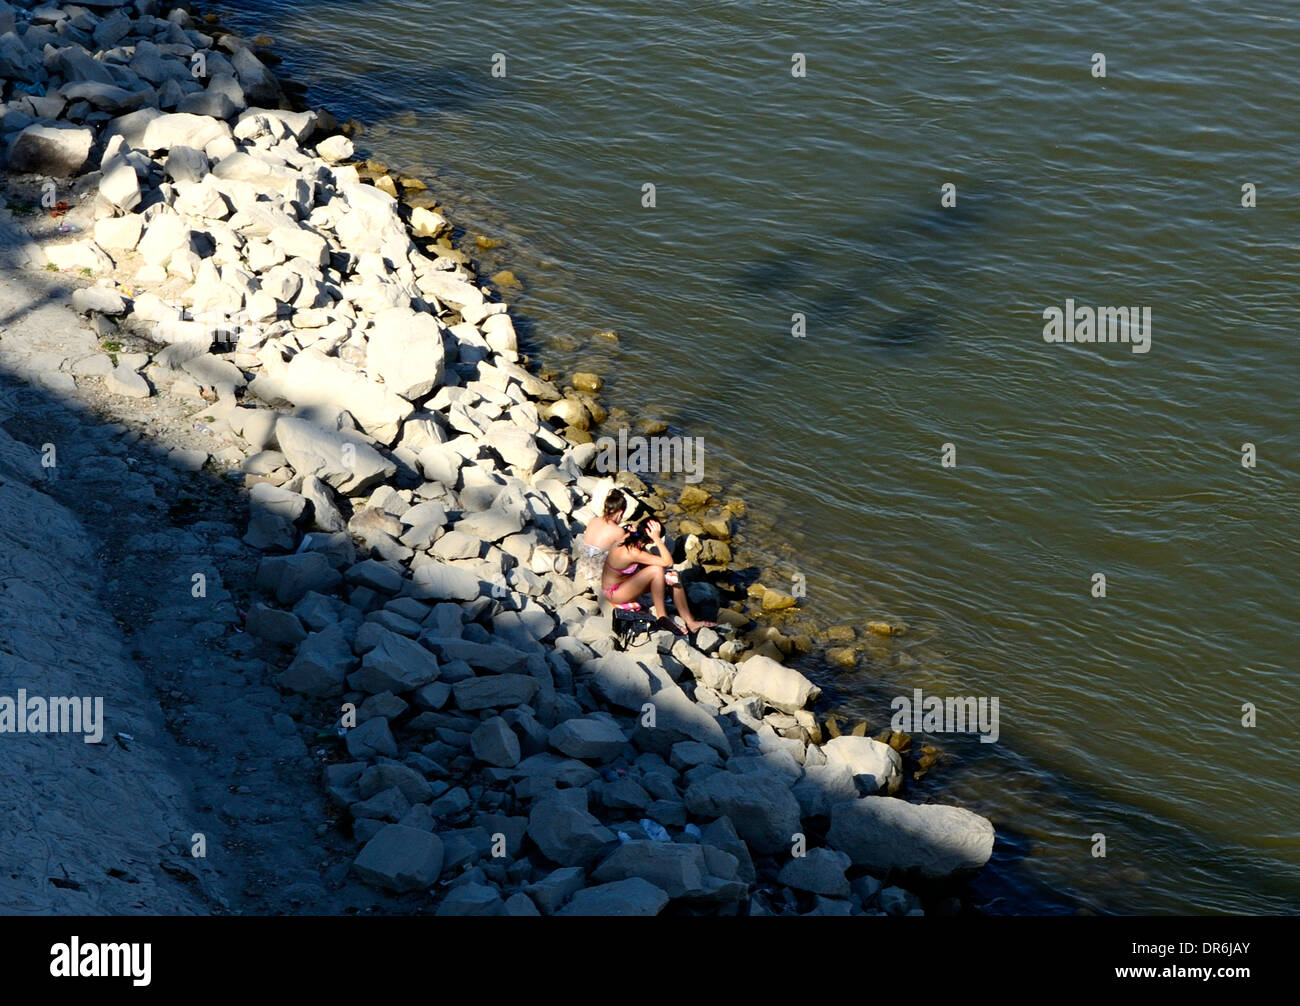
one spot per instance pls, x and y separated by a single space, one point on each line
872 764
395 664
564 831
631 897
681 871
314 379
494 691
400 859
405 350
182 129
347 463
820 871
61 151
883 833
760 805
780 687
322 664
591 738
259 83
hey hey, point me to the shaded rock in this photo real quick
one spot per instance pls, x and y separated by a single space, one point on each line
321 665
630 897
495 743
60 151
400 859
594 738
566 833
821 871
883 833
495 691
760 805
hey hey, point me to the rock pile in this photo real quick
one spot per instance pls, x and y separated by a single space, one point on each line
417 497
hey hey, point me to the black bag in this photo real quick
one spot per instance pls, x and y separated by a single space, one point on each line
630 627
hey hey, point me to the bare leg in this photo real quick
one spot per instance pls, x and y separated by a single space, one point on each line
649 578
684 609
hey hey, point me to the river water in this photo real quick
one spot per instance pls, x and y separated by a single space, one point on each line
819 195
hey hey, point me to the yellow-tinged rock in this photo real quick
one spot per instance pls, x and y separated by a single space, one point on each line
842 656
693 498
775 600
588 382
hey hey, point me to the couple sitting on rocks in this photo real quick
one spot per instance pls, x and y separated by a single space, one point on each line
630 559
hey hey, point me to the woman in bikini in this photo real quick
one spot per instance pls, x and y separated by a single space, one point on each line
630 569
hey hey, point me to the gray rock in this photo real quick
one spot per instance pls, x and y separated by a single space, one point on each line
471 899
896 901
125 381
593 738
883 833
632 897
395 664
822 787
98 299
61 151
322 664
760 805
780 687
348 464
681 871
556 888
259 84
291 577
400 859
821 871
275 626
872 764
375 575
186 165
266 498
565 833
495 743
483 656
495 691
405 349
519 904
119 185
371 738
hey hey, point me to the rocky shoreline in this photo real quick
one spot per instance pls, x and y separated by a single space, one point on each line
414 495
